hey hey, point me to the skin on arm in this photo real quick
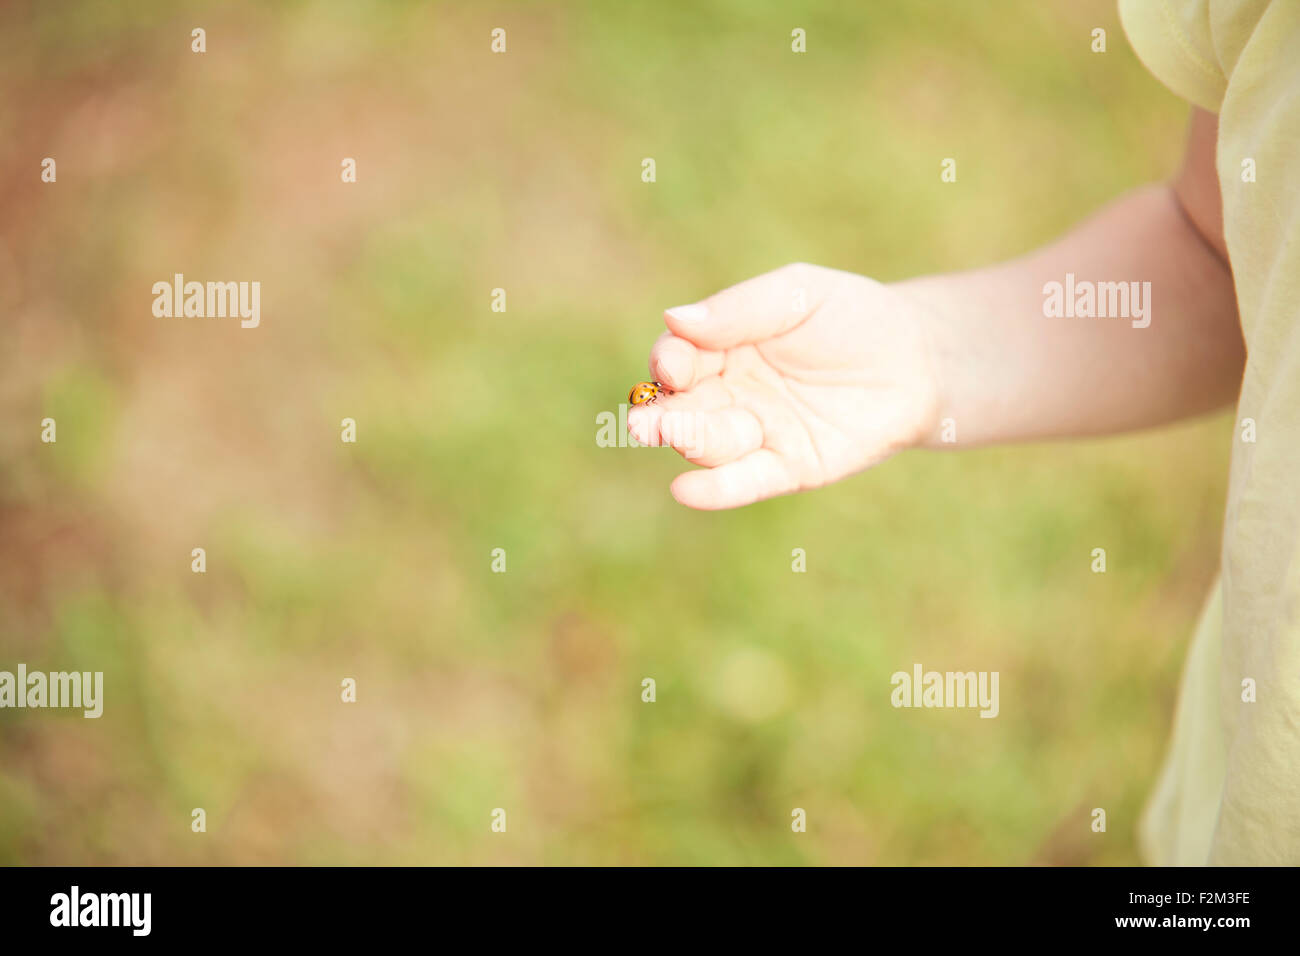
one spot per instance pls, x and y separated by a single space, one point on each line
1010 374
805 375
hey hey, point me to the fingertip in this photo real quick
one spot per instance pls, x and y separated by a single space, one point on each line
694 490
687 321
755 477
673 363
680 489
640 423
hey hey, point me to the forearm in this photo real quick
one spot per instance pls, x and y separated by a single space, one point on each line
1009 372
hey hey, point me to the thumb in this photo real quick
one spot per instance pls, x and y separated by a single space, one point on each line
755 310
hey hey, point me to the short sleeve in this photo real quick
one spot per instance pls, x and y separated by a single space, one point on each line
1172 38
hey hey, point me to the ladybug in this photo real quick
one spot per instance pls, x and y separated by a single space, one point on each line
645 393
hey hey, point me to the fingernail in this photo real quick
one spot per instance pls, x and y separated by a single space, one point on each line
694 312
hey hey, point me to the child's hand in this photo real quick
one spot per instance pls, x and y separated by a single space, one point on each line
786 382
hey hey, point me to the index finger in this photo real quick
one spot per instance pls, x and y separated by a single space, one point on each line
755 310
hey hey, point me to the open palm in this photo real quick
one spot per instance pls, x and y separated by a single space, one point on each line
787 382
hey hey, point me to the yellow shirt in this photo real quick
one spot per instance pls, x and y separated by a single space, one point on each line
1230 789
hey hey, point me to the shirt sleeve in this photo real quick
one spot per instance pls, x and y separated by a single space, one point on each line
1172 39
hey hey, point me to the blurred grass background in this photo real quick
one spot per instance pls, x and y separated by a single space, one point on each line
477 431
